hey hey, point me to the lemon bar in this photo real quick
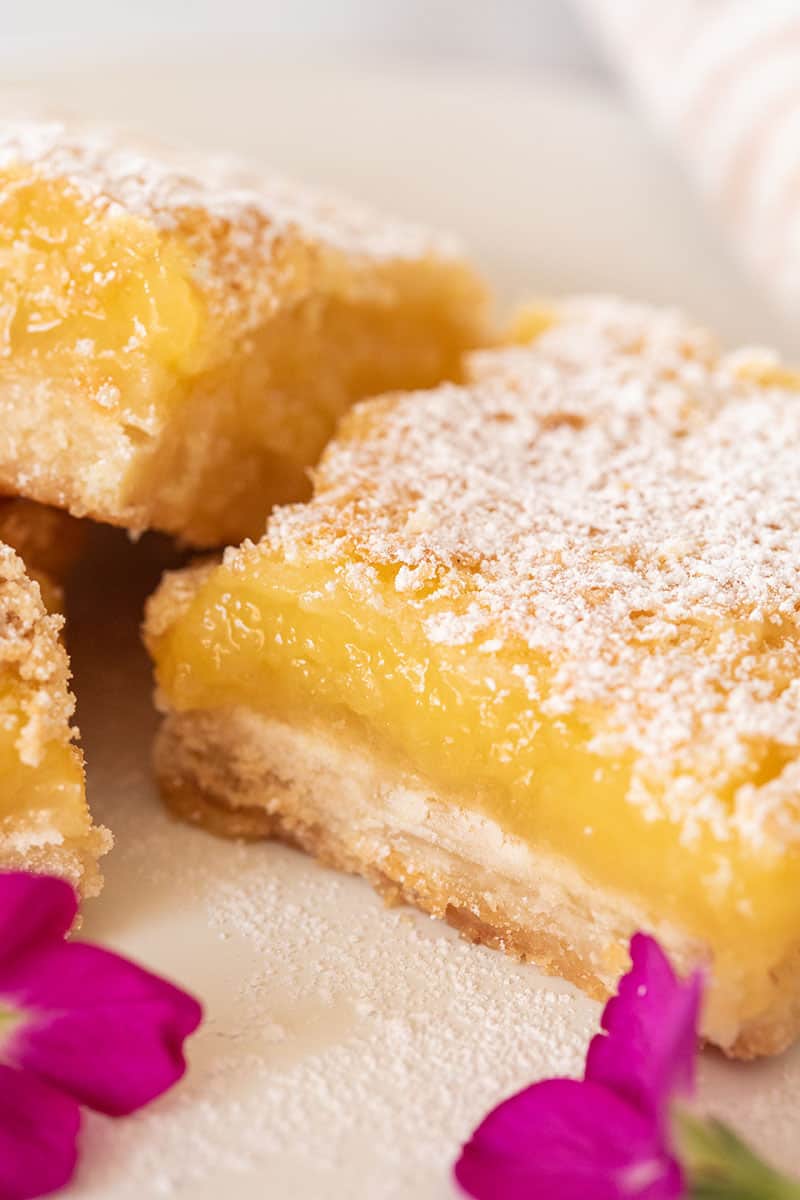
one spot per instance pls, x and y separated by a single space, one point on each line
48 541
530 659
45 823
178 336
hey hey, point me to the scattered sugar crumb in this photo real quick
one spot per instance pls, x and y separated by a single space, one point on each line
354 1038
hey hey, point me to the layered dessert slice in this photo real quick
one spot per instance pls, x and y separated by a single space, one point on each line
530 660
178 337
45 823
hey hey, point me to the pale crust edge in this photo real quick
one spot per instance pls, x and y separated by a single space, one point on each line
240 774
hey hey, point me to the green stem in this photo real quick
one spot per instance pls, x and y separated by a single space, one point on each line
720 1166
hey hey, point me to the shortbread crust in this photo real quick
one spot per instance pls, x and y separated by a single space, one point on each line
243 775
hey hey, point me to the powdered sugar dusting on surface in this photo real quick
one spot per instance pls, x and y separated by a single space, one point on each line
619 502
347 1020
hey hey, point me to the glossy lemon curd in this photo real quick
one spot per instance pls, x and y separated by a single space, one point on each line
50 790
288 639
92 294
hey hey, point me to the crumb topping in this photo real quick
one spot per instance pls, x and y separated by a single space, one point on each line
34 671
620 502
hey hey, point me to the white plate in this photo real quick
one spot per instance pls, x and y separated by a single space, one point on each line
348 1049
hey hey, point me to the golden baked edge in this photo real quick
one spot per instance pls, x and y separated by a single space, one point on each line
242 774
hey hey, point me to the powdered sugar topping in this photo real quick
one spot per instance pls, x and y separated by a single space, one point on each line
618 502
161 184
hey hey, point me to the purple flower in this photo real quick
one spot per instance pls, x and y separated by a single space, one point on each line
572 1140
606 1137
78 1026
648 1049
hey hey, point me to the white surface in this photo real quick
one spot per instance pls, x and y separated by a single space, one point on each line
348 1049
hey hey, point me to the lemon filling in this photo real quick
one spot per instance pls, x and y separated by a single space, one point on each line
284 639
94 294
43 794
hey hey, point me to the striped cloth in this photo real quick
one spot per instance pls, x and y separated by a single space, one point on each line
722 77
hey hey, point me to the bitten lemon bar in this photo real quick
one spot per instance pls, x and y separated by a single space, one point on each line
530 659
47 540
178 337
45 824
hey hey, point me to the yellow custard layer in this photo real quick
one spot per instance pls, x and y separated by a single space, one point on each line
93 294
42 796
290 639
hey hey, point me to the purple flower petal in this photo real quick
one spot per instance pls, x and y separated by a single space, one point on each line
572 1140
647 1053
38 1132
35 911
100 1028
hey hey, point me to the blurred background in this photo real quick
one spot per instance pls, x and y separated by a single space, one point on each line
526 34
